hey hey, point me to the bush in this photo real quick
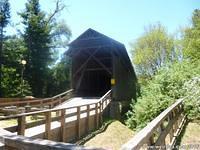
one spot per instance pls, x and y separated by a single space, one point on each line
160 92
192 103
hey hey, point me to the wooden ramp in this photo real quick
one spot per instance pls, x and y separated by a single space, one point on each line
78 101
66 122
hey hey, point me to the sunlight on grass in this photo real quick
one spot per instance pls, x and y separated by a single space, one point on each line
191 134
113 137
33 118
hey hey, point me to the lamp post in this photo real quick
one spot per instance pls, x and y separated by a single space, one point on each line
23 62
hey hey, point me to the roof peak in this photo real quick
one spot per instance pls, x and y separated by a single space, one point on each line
90 34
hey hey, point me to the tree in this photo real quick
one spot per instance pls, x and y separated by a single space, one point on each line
13 83
152 50
4 20
40 35
37 39
192 38
60 79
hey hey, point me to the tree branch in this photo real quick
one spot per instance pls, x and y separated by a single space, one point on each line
59 7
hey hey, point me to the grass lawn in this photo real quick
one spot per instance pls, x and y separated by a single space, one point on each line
13 122
113 137
191 134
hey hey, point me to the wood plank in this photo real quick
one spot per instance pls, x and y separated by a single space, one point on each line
62 127
85 63
78 123
88 119
101 112
48 125
168 130
96 116
143 136
21 125
25 143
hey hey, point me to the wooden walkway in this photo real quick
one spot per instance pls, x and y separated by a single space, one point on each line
67 121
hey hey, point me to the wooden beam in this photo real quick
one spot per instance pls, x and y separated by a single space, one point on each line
78 122
21 125
85 63
80 79
48 125
95 69
100 63
62 127
88 119
96 116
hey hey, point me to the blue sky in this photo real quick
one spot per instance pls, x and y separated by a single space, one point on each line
123 20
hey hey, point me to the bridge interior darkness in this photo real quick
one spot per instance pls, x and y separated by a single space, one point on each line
92 72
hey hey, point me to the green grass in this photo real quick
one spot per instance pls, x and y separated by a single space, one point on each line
113 137
13 122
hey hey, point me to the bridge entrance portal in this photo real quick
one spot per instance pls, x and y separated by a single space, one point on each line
96 59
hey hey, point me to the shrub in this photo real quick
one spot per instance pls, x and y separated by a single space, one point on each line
192 103
160 92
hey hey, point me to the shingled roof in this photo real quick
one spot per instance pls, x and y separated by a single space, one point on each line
93 39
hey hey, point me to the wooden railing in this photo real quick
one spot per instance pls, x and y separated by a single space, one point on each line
162 132
9 141
49 118
22 102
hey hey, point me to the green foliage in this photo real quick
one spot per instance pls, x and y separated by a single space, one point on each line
192 103
4 20
60 77
152 50
37 40
12 86
160 92
4 13
192 38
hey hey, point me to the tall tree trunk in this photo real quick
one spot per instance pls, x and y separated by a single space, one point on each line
1 59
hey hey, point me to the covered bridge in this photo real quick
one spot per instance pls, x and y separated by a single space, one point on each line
99 64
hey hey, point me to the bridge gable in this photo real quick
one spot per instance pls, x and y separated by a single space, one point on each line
96 59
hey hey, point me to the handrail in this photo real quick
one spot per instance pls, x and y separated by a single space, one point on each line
36 102
172 116
50 110
98 107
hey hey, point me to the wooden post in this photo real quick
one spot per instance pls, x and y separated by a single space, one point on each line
162 128
41 104
62 126
60 100
106 101
48 125
101 113
171 132
88 119
176 122
52 100
96 116
21 125
150 141
78 122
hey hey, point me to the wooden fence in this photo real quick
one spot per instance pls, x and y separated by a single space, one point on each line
162 132
34 102
70 123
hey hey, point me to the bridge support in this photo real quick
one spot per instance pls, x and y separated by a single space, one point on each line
115 109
